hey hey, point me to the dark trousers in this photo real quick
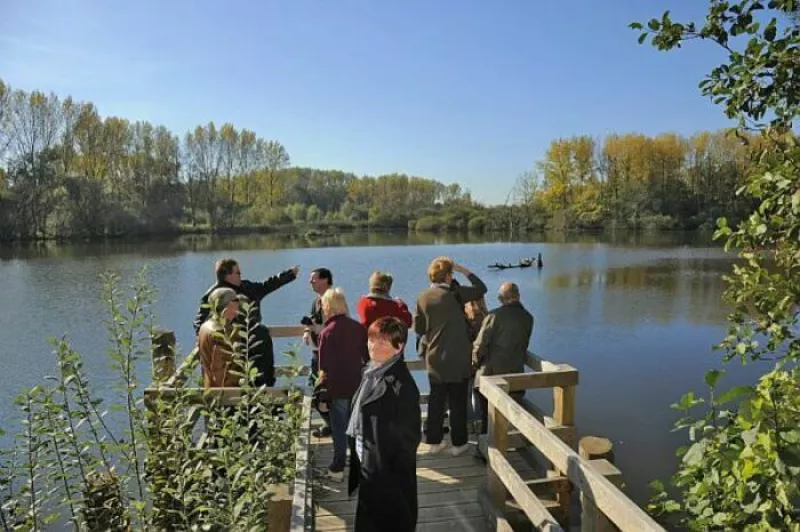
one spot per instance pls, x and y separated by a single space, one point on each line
317 391
442 395
484 407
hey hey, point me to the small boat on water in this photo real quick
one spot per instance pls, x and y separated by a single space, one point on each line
523 263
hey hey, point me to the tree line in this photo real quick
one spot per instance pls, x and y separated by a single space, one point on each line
68 172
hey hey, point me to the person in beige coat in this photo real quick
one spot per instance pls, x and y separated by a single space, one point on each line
445 345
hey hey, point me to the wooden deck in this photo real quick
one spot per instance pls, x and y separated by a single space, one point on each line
449 489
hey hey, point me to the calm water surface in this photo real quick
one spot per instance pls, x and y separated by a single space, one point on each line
636 315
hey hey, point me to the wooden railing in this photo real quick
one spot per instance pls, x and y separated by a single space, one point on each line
569 469
512 425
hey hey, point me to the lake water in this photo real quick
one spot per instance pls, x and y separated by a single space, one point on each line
637 315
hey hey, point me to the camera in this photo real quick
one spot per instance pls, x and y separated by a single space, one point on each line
307 321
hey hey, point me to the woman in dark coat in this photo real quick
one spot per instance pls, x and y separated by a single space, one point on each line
384 432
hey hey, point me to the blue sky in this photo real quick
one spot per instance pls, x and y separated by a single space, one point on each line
461 91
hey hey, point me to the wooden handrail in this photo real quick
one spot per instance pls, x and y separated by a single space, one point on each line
530 504
608 498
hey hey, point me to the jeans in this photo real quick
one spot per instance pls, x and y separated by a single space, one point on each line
442 395
340 416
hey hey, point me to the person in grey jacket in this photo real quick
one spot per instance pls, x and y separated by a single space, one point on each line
502 342
445 346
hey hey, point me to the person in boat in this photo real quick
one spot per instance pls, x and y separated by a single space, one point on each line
539 262
384 433
215 340
445 347
379 303
342 355
502 342
320 279
229 275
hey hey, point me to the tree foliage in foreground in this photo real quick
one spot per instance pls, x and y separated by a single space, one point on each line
740 470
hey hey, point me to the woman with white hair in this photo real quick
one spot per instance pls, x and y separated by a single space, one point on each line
342 355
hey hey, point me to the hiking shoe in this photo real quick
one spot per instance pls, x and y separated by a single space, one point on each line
334 476
323 432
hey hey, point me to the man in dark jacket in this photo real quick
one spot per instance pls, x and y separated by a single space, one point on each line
502 342
446 348
384 433
321 279
229 275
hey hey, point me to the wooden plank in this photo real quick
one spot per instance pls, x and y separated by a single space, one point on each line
301 501
426 515
527 501
540 379
285 331
441 461
431 500
537 363
609 499
417 364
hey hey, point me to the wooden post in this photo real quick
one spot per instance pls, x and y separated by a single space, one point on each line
498 439
279 508
600 453
564 415
163 341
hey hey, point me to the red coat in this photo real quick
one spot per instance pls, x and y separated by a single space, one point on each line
371 308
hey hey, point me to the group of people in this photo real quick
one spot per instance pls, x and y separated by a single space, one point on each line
363 390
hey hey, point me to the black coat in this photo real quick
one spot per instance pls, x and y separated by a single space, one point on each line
387 477
262 355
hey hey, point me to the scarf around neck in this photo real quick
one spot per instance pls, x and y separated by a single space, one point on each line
372 388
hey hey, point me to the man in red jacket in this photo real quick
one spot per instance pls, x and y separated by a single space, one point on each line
379 304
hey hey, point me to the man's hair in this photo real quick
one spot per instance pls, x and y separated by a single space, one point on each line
323 273
508 293
334 303
390 329
380 282
439 269
224 267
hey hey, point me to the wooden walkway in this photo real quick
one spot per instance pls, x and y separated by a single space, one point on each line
449 489
534 479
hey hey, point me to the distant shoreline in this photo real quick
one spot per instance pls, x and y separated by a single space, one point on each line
331 229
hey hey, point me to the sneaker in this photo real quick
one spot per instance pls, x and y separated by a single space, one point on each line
460 449
334 476
439 447
323 432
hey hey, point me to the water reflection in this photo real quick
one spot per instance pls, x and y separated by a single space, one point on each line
663 290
